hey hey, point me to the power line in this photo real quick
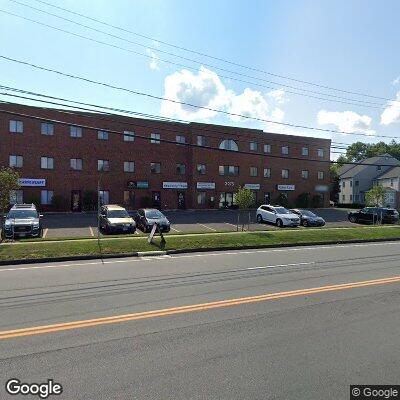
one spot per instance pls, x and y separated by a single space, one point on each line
184 103
208 55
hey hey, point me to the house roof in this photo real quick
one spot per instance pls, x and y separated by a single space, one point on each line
392 173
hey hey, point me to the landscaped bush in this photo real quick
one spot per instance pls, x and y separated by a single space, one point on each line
303 200
59 203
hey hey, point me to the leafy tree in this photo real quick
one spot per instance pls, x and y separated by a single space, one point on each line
359 150
316 201
303 200
8 183
375 196
282 200
244 198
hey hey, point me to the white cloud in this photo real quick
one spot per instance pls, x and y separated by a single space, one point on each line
206 89
391 113
278 96
153 60
396 81
346 121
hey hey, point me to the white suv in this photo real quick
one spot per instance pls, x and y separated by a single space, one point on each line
280 216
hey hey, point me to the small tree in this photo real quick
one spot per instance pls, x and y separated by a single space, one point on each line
316 201
282 200
8 183
375 196
244 198
89 200
303 200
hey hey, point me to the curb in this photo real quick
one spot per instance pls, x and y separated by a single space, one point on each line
183 251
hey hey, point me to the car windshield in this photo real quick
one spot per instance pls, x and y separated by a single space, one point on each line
22 214
282 210
117 214
154 214
307 213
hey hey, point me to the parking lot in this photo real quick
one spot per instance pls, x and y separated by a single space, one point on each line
85 224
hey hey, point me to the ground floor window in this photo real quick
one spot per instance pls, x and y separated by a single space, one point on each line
129 198
201 198
46 196
104 196
16 197
226 199
267 198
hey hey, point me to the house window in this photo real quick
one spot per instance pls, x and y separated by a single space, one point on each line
253 146
16 161
201 140
16 197
16 126
155 138
129 136
343 198
47 129
201 198
320 152
229 144
46 196
180 139
356 198
391 182
129 166
103 165
356 183
181 169
76 164
102 135
267 172
104 197
320 175
47 162
304 151
304 174
344 184
201 169
75 131
285 173
285 150
267 148
229 170
351 197
351 183
155 168
253 171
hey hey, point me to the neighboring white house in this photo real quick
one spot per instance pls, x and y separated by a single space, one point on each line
355 180
391 181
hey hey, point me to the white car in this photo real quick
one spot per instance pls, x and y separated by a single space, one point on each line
280 216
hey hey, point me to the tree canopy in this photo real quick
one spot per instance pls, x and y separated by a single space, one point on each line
359 150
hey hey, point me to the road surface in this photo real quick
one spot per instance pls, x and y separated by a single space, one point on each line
295 323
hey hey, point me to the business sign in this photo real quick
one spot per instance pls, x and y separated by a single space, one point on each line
138 184
286 187
175 185
205 185
32 182
321 188
252 186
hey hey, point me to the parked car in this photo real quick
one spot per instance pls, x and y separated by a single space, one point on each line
115 219
21 221
374 215
280 216
308 218
147 217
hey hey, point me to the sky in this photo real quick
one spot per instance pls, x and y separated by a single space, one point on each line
348 45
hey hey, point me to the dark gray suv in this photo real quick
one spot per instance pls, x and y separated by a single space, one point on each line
22 221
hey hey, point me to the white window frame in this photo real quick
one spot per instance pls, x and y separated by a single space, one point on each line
201 140
76 164
157 170
16 126
47 162
75 131
254 171
155 138
178 168
305 173
103 165
267 148
285 173
16 161
180 139
305 151
285 150
129 166
129 136
267 172
201 169
47 129
320 153
46 196
201 198
321 175
229 144
253 146
102 135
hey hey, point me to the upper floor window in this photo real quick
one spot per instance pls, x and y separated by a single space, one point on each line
129 136
285 173
201 140
229 144
267 148
344 184
253 171
267 172
181 169
46 196
129 166
102 135
356 183
321 174
180 139
75 131
155 168
47 129
351 182
155 138
285 150
378 167
16 126
103 165
47 162
16 161
304 151
228 170
76 164
320 152
201 169
253 146
304 174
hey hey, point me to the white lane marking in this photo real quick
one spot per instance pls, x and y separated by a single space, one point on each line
228 223
282 265
222 253
137 232
91 231
45 232
208 227
173 229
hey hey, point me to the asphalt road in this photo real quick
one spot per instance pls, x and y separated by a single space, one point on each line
324 318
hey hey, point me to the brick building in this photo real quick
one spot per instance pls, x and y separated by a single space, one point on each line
63 155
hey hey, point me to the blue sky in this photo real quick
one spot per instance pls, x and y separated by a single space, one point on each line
351 45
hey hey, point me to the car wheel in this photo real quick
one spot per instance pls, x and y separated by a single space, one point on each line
353 219
305 223
259 218
279 223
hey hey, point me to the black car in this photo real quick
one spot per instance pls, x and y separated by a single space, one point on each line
374 215
308 218
147 217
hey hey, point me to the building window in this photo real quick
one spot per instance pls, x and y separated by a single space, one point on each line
229 170
129 166
102 135
285 173
155 168
75 131
16 161
201 169
253 146
356 183
104 197
321 175
267 148
304 174
47 162
229 144
201 198
76 164
343 198
46 196
180 139
267 172
378 167
16 126
253 171
47 129
320 152
304 151
201 140
351 197
351 182
344 184
129 136
103 165
285 150
155 138
356 198
181 169
391 182
16 197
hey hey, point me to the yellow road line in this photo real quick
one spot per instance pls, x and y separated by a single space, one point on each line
37 330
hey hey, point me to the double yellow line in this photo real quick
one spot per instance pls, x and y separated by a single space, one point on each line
38 330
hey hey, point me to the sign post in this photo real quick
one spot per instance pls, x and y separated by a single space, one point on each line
153 232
